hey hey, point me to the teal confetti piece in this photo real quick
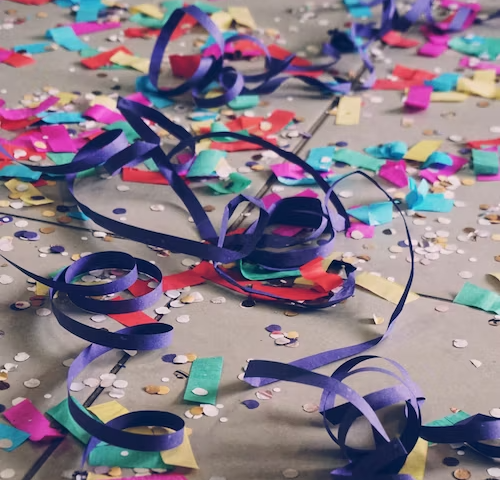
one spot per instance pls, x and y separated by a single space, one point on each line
33 48
356 159
448 421
205 163
473 296
129 132
256 272
17 437
144 85
205 374
484 162
62 117
244 101
88 11
107 455
374 214
321 158
207 7
62 415
21 172
66 38
392 150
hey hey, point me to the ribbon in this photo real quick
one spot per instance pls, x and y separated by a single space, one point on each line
385 460
211 70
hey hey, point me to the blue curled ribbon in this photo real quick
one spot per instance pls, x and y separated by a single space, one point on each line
388 456
211 70
323 217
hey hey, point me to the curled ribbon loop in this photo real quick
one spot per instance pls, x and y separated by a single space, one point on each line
387 457
211 69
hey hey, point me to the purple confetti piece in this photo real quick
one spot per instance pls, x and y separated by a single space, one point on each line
57 249
169 357
62 208
119 211
2 408
341 144
273 328
250 404
402 244
7 219
37 197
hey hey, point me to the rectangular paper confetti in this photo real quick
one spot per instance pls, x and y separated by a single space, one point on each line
416 460
421 151
485 162
418 97
348 111
474 296
357 159
16 436
108 411
382 287
448 97
27 418
66 38
205 374
62 415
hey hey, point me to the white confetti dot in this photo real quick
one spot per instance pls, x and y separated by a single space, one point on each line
21 357
43 312
460 343
162 310
7 473
223 419
465 274
201 392
183 319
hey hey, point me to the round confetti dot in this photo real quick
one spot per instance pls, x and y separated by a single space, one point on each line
32 383
7 473
465 274
201 392
495 412
461 474
451 461
493 472
183 319
441 308
310 407
210 410
290 473
460 343
223 419
119 211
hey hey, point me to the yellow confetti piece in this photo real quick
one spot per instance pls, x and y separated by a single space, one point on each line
222 19
27 194
126 60
147 9
421 151
48 213
65 98
4 203
481 89
495 275
41 289
242 16
416 460
95 476
108 411
382 287
197 126
348 111
448 97
202 145
488 76
104 101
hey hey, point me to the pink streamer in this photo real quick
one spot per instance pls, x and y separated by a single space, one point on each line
27 418
83 28
23 113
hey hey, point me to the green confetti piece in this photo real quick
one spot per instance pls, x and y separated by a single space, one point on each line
129 132
62 415
473 296
107 455
485 163
205 373
357 159
207 7
236 183
255 272
244 101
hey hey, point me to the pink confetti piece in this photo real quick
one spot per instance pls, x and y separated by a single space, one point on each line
102 114
58 139
27 418
419 97
431 175
22 113
84 28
